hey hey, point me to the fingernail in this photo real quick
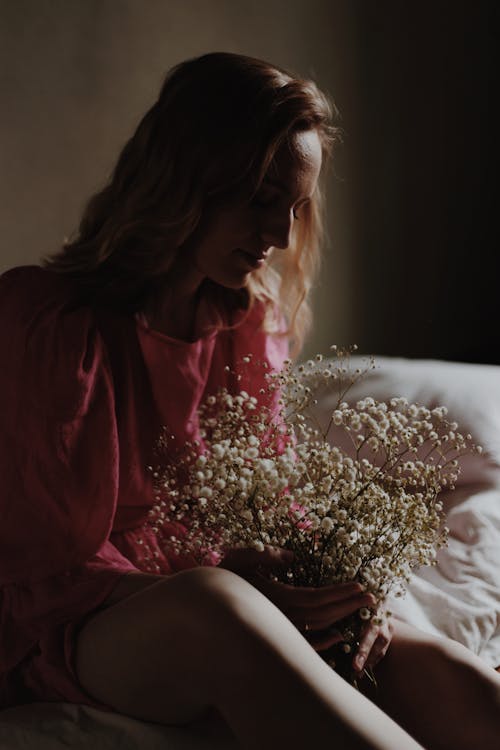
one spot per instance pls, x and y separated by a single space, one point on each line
358 663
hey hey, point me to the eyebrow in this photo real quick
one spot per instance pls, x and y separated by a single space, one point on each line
274 182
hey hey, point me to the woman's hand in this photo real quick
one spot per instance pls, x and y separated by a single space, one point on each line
312 610
375 641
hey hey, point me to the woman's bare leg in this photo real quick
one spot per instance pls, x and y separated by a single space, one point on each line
205 639
441 692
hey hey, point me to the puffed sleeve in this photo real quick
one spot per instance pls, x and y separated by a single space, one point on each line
58 437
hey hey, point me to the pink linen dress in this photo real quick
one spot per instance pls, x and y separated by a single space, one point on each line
84 393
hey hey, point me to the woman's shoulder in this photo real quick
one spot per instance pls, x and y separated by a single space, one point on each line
49 339
31 277
36 300
29 292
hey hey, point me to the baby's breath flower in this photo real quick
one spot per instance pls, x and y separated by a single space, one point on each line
251 453
365 508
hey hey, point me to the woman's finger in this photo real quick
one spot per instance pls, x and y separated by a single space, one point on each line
319 618
365 646
381 645
314 608
309 596
305 597
378 651
317 609
247 562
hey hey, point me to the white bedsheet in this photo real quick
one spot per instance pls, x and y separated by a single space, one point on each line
58 726
460 597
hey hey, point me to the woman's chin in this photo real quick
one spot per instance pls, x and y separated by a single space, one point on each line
235 281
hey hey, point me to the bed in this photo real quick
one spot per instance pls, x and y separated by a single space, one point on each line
459 598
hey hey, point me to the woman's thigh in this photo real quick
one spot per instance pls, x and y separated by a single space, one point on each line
154 654
206 639
438 690
128 585
418 651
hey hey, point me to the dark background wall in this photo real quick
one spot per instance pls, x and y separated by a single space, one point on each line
426 192
410 266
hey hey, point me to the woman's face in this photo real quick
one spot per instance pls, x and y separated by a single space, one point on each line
234 240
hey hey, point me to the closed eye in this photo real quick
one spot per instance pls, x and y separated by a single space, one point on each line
301 204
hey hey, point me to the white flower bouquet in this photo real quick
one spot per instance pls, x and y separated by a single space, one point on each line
265 471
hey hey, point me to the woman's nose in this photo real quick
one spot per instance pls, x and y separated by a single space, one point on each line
276 230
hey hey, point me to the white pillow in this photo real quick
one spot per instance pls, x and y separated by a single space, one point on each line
470 392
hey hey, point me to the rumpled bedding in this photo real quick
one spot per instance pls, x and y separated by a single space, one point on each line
58 726
459 598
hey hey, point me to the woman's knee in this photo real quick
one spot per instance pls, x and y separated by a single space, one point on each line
209 611
208 590
456 669
217 606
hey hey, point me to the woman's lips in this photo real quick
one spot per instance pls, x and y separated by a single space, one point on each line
251 260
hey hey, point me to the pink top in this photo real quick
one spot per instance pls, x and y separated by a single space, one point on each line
83 395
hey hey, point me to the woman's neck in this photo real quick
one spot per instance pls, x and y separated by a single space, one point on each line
175 316
187 314
174 304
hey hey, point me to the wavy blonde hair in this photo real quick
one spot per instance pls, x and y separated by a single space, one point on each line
216 126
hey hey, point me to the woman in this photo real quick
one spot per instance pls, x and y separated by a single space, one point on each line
201 249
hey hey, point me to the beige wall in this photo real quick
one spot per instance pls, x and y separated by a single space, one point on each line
78 74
